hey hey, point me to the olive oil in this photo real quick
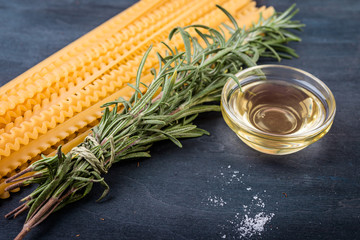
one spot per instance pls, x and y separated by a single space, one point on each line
277 107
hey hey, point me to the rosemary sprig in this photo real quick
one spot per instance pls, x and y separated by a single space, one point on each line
190 82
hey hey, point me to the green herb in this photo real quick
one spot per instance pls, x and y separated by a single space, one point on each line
191 83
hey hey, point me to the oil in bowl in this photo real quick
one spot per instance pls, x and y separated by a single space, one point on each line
278 109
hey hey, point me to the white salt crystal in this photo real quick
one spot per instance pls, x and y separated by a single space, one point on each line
216 201
253 226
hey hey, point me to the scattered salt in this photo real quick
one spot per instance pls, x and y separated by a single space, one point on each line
250 226
253 217
251 223
216 201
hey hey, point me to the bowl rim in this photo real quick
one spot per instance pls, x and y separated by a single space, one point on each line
293 136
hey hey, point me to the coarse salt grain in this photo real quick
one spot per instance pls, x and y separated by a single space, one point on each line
250 226
216 201
254 218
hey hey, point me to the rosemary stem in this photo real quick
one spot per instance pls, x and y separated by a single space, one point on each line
30 224
15 210
12 178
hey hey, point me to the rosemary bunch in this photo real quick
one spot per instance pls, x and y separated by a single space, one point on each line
186 83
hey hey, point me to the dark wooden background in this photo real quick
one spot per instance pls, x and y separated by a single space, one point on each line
204 190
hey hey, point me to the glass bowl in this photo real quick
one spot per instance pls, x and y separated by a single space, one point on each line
278 109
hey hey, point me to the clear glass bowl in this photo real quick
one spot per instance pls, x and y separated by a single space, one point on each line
279 109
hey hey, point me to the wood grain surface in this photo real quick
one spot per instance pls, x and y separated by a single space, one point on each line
215 187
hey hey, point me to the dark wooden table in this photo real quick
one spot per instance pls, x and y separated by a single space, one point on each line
215 187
